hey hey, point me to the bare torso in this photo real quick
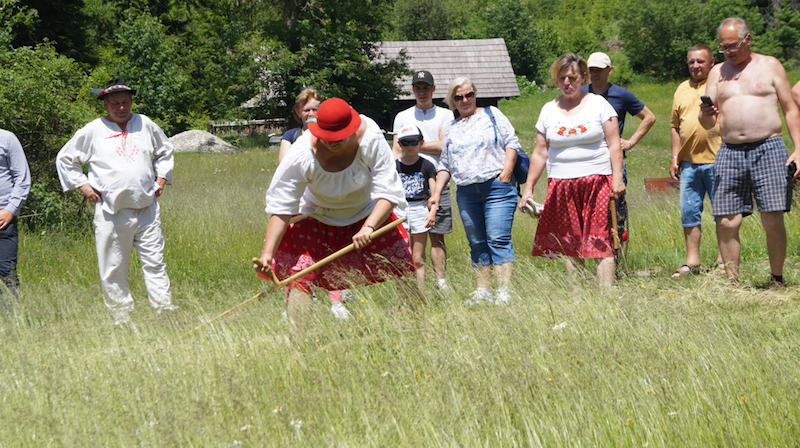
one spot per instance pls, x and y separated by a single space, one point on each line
747 99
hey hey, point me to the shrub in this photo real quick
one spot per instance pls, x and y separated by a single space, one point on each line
39 102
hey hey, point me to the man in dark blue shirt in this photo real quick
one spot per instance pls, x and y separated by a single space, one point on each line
621 99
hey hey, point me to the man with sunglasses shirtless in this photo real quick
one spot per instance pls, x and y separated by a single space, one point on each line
753 160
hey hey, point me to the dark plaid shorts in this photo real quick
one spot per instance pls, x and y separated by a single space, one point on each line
750 170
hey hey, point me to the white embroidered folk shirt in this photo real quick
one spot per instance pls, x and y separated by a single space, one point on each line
123 166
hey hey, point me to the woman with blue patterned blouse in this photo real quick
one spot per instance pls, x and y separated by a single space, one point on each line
479 150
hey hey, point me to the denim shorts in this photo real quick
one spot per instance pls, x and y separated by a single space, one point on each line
752 170
415 213
696 181
487 211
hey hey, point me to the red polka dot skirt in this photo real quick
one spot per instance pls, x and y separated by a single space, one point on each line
308 241
575 219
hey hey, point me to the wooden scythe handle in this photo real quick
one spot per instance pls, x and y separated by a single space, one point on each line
347 249
612 203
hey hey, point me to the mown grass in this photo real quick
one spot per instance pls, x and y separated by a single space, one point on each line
649 362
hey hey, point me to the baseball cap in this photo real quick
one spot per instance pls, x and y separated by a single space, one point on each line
409 132
599 60
422 76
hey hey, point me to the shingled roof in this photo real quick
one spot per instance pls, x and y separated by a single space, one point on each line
484 61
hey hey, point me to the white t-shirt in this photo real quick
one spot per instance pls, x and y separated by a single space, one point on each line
123 166
576 144
430 122
301 185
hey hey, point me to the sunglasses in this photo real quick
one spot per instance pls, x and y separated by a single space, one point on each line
409 142
459 98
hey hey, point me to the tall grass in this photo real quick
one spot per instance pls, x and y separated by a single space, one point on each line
649 362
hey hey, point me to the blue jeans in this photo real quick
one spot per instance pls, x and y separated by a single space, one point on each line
696 181
8 255
624 173
8 264
487 211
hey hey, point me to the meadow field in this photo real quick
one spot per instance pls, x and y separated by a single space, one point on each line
648 362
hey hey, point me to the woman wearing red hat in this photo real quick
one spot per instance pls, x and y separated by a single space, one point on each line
342 174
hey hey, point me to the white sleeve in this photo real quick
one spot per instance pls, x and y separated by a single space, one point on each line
75 152
163 159
605 109
541 123
287 187
386 183
397 125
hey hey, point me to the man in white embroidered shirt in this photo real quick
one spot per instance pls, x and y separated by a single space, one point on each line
130 160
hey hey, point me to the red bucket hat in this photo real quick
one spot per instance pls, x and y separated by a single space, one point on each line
335 120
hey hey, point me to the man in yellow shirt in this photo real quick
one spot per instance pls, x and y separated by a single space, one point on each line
694 151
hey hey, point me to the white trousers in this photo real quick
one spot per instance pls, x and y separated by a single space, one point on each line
116 235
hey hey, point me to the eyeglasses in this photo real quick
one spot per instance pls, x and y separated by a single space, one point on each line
409 142
721 49
459 98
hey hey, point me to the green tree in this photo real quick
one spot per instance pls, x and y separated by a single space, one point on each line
62 22
149 59
422 20
334 47
221 59
656 35
13 16
781 39
530 48
39 97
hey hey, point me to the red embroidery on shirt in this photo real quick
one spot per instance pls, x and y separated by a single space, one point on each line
129 157
563 130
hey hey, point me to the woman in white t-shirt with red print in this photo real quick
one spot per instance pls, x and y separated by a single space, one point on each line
578 141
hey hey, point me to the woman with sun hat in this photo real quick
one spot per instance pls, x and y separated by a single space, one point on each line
342 174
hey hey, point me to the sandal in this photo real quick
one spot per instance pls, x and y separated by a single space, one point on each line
690 270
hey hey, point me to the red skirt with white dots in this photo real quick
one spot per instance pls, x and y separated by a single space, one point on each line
308 241
575 219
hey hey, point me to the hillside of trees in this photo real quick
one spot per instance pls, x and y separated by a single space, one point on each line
199 60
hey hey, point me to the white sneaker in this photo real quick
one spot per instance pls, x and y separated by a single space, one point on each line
478 296
442 284
167 308
503 296
121 318
339 311
348 296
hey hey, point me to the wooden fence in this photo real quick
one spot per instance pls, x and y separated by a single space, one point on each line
247 127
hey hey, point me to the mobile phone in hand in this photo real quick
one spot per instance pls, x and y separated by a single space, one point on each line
706 100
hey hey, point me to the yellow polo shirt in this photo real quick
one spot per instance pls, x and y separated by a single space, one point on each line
698 145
